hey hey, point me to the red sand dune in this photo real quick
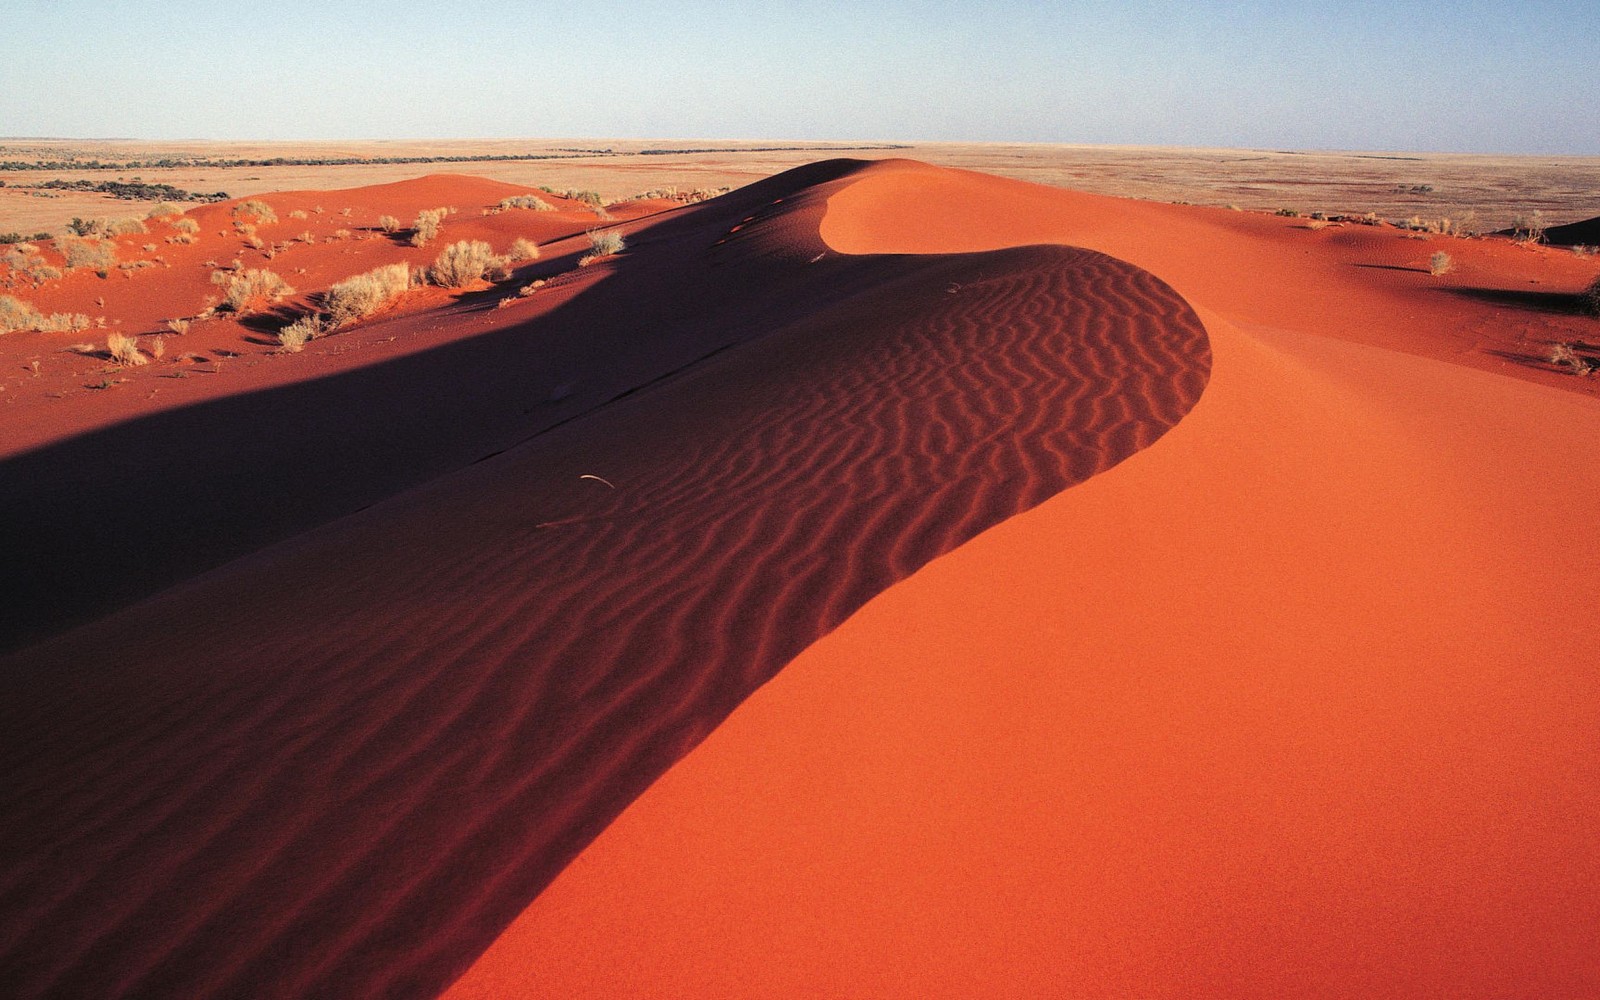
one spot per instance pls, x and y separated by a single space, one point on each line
1299 701
1290 693
342 765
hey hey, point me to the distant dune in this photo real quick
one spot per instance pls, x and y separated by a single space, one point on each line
882 580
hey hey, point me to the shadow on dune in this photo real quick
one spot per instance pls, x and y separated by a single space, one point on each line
1566 303
342 766
99 521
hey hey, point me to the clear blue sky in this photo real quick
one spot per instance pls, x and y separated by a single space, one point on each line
1435 75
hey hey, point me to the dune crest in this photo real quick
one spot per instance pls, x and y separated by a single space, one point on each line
1292 703
343 764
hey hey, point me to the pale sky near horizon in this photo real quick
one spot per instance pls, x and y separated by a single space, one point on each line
1468 76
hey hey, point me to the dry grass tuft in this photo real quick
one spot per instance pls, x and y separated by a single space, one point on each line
295 335
125 350
99 254
463 262
243 289
1528 228
299 213
186 225
364 294
1566 356
255 209
531 201
1440 263
388 223
178 326
521 250
429 223
602 243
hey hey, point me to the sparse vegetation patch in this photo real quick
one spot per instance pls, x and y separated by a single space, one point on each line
365 294
243 289
463 262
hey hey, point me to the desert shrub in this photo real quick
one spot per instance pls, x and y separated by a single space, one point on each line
299 213
25 259
17 315
429 223
388 223
164 210
186 225
341 234
178 326
1440 263
1589 298
307 237
106 227
94 252
1288 213
1565 356
125 350
255 209
521 250
1528 228
531 201
245 229
7 239
364 294
241 289
603 243
294 336
158 348
464 262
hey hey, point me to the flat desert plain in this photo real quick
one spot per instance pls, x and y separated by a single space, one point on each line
886 578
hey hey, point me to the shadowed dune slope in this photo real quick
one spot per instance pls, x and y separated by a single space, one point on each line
342 765
1299 701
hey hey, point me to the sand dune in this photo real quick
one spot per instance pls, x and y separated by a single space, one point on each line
340 766
1105 669
1297 702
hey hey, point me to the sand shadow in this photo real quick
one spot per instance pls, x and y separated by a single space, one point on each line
1562 303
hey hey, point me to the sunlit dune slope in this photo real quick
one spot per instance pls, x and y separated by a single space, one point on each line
1298 701
531 564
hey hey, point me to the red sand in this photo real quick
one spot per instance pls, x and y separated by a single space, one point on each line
1292 701
1298 702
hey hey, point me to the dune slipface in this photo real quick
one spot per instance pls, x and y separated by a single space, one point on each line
341 766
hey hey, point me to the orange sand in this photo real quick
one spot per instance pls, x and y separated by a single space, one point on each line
1118 656
1299 701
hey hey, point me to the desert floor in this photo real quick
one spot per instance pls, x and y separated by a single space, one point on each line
884 579
1486 191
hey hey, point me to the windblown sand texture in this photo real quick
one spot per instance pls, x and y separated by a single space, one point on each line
867 584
